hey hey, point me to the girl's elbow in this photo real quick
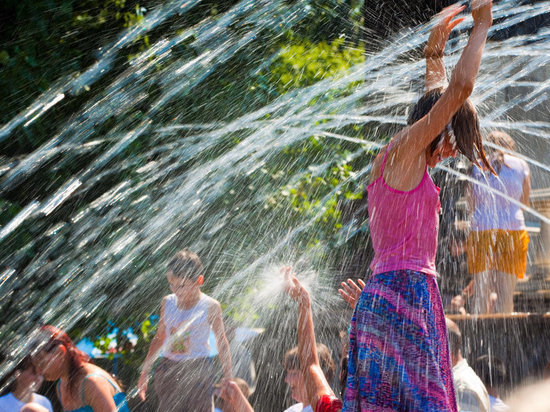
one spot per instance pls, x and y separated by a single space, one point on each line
462 88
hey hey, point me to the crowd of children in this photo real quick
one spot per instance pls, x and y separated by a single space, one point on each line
403 353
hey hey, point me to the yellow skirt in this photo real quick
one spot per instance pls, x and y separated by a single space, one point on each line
502 250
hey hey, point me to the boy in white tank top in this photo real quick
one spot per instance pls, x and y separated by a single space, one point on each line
183 374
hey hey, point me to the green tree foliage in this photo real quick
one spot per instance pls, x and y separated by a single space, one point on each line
60 39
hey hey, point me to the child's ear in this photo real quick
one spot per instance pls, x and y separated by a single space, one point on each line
61 349
200 280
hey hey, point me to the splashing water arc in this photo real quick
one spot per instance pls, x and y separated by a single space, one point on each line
224 175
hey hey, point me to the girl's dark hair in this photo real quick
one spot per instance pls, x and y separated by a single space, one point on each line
491 370
77 358
464 124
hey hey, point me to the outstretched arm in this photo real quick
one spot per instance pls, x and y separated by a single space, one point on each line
526 188
231 393
221 340
433 52
316 383
412 141
351 291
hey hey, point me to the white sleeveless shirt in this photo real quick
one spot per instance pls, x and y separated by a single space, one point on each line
493 211
187 331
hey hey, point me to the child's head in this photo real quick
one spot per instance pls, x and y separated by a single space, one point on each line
503 140
491 371
294 377
185 272
23 377
54 352
463 130
226 406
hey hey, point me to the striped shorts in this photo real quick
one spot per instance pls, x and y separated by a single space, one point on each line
399 356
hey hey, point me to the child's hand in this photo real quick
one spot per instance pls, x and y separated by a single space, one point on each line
441 31
293 287
143 383
457 305
468 291
482 12
229 391
232 394
351 291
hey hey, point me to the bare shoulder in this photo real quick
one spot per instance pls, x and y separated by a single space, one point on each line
97 380
377 165
214 307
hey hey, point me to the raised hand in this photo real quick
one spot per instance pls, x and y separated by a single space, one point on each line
293 287
351 291
482 12
446 22
231 393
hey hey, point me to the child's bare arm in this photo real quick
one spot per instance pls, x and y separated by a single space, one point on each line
526 188
316 383
154 348
221 340
412 141
232 393
433 52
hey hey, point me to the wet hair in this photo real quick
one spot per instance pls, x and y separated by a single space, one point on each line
491 370
454 336
464 125
51 338
503 140
292 361
186 265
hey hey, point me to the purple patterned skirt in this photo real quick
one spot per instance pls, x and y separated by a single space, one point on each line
399 356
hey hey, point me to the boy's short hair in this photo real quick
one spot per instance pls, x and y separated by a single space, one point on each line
491 370
454 336
291 360
186 264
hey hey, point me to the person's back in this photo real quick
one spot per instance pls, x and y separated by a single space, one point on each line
498 241
471 394
493 211
403 225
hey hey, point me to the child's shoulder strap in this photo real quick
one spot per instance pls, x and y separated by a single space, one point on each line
101 375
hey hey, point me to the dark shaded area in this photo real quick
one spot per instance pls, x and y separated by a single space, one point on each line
384 18
520 340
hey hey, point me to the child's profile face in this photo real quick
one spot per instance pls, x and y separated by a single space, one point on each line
182 287
28 378
48 362
295 380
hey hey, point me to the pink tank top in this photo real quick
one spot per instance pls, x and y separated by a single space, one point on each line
403 225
